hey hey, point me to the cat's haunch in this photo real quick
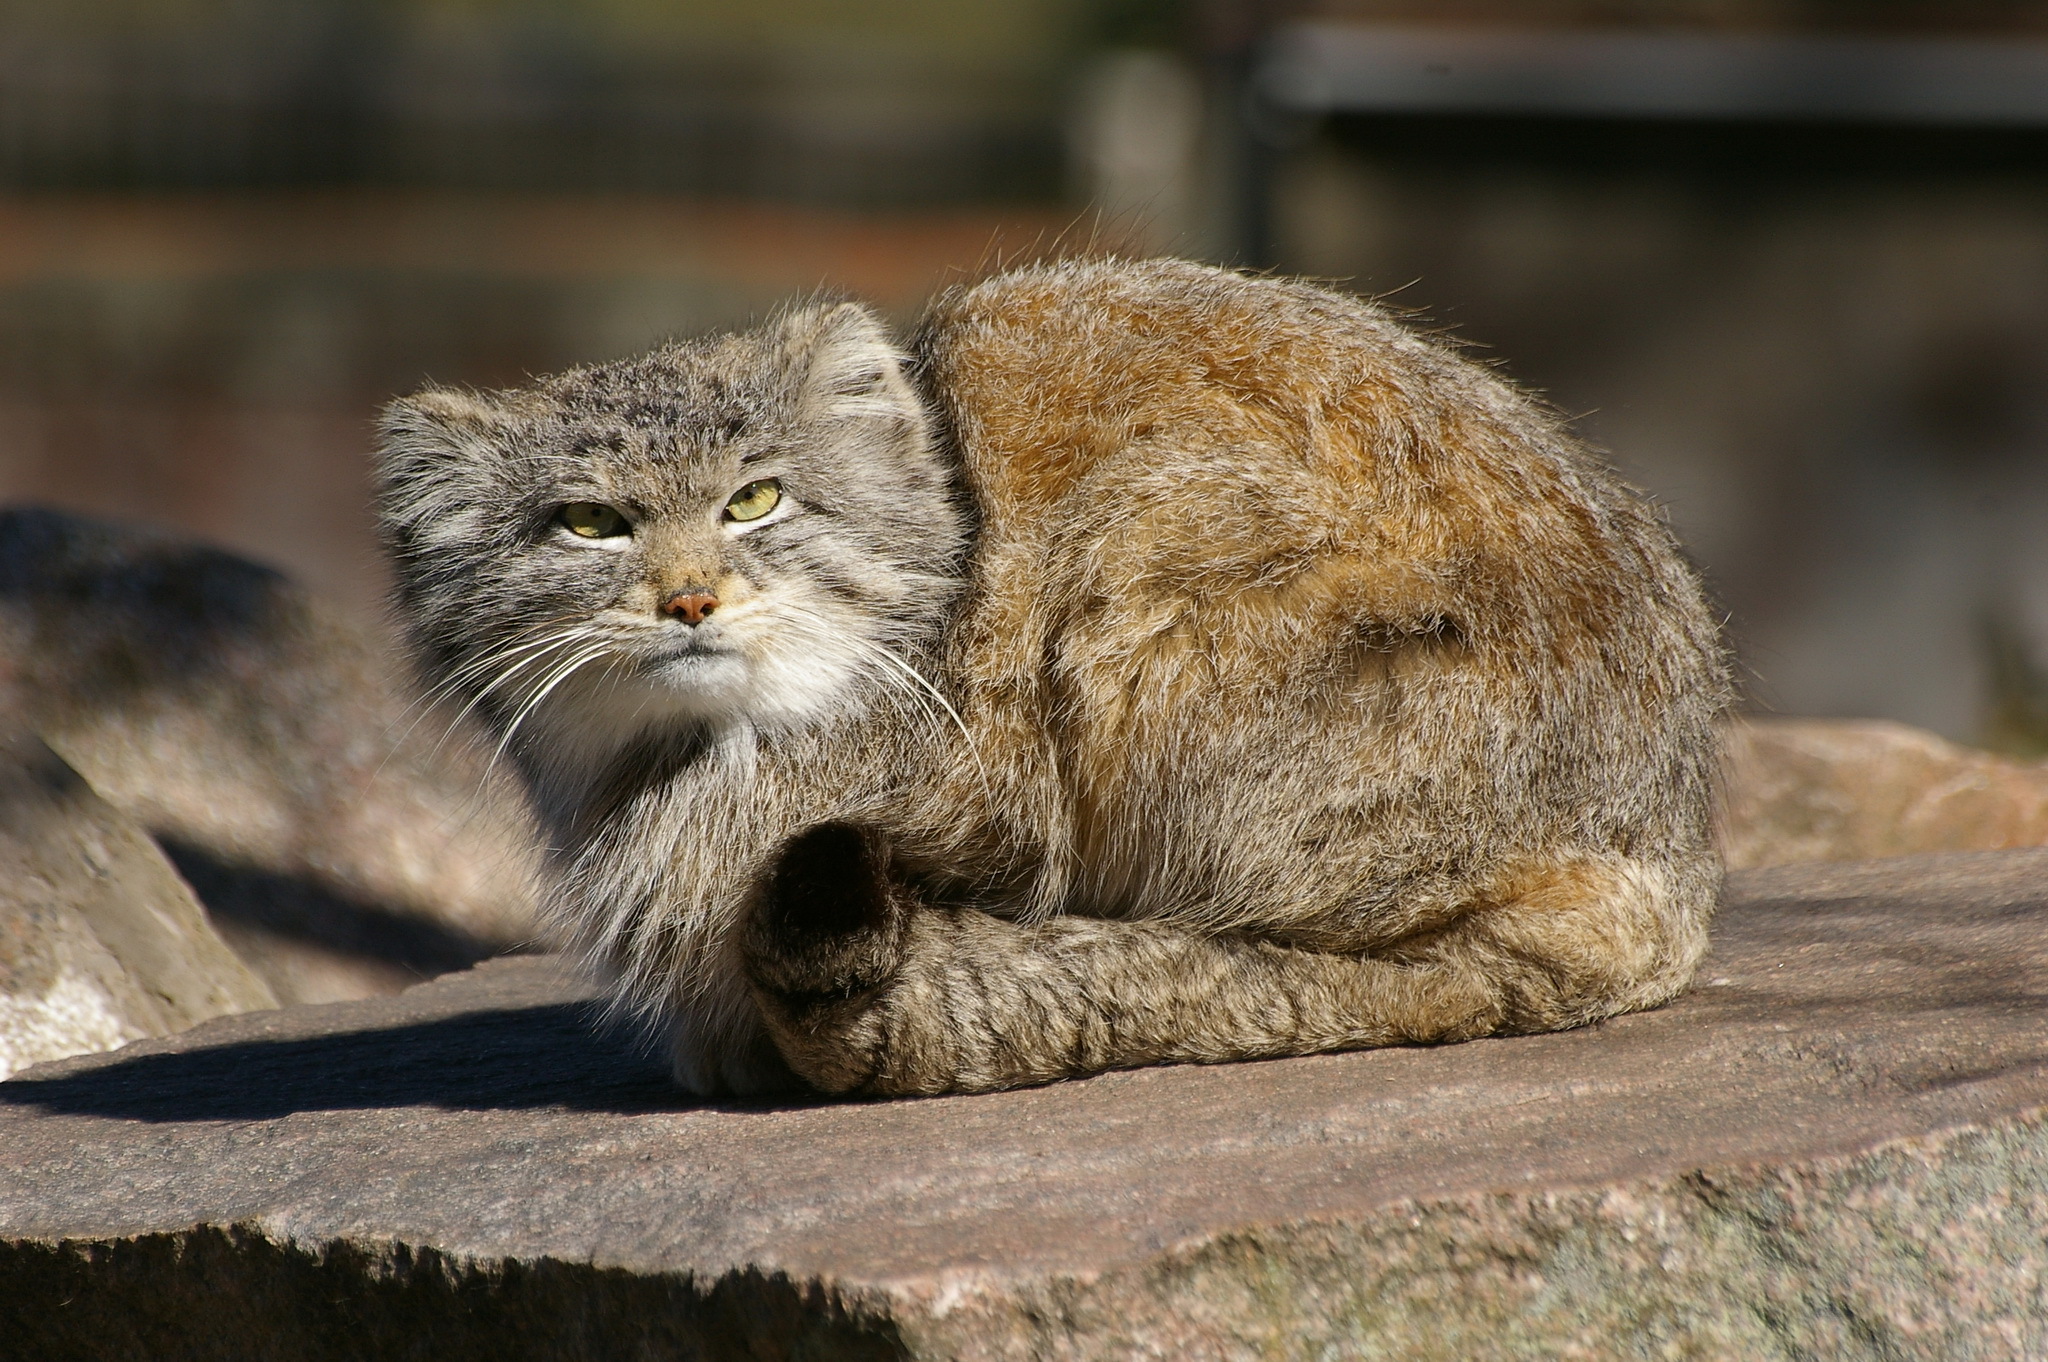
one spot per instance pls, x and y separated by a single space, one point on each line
1153 664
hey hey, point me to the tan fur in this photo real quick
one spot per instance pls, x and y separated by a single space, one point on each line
1315 690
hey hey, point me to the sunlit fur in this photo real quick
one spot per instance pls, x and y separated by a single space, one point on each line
1222 669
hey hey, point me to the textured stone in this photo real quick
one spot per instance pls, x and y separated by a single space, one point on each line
1832 1148
345 841
1857 789
100 942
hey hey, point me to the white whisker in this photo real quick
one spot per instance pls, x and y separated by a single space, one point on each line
590 654
469 671
540 656
477 665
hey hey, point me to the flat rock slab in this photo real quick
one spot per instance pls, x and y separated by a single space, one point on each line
1832 1148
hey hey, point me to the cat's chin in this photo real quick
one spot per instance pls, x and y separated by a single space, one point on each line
704 683
719 688
596 715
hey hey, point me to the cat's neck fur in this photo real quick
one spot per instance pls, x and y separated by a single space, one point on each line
594 753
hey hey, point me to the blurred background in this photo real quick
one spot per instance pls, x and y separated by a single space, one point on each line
1787 260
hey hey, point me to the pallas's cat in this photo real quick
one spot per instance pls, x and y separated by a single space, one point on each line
1152 664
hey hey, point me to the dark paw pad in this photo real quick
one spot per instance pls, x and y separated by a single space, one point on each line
827 923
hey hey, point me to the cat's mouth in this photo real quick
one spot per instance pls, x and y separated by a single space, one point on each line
696 644
699 665
736 669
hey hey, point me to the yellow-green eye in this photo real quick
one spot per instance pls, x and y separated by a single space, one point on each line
593 520
754 500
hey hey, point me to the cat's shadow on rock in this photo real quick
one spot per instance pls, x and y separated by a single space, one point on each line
554 1055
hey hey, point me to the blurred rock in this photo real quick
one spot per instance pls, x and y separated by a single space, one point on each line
1857 789
344 841
100 942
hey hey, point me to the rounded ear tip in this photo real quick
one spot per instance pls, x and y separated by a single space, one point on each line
839 320
440 406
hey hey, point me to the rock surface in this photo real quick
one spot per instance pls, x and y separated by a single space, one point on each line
1858 789
100 942
1833 1147
345 842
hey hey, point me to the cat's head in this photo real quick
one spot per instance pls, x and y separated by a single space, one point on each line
734 530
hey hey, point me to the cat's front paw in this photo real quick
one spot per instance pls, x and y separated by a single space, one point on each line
825 938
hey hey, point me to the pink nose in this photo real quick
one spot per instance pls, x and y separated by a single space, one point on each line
691 607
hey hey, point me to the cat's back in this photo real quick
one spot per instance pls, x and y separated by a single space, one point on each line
1264 580
1176 436
1050 371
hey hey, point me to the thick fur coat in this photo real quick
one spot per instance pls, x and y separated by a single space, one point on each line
1152 664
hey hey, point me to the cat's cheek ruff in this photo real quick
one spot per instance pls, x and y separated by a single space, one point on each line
797 686
430 532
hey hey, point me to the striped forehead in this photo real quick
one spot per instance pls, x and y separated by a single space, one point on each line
656 447
656 467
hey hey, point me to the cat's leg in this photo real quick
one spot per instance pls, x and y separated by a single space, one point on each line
717 1046
864 990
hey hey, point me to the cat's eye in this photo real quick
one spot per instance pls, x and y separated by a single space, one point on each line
754 500
593 520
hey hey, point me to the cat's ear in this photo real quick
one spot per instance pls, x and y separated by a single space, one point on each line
441 423
435 450
847 366
438 433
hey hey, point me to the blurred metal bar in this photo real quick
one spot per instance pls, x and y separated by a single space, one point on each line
1316 68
